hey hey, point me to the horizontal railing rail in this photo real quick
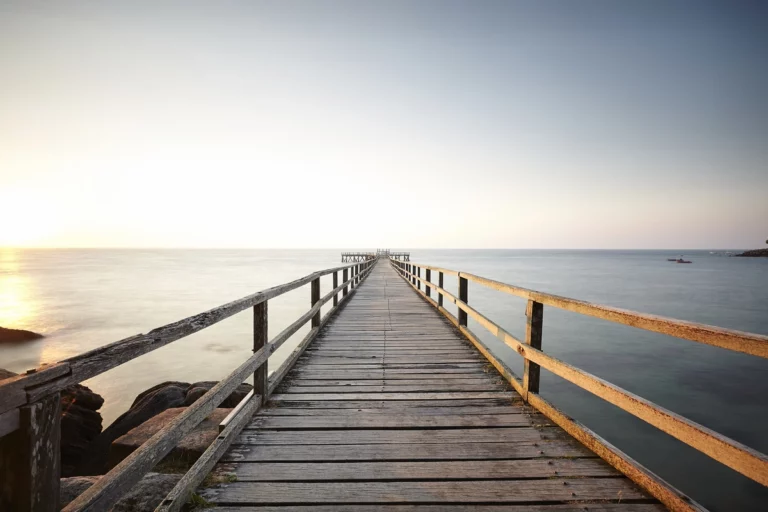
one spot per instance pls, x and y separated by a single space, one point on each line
729 452
27 397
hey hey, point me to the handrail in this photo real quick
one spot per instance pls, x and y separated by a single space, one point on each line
39 389
738 341
49 379
729 452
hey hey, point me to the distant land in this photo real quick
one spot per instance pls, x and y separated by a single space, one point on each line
755 253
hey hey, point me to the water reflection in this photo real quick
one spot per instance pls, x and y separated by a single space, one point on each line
17 307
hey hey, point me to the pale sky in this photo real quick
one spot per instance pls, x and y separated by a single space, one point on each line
572 124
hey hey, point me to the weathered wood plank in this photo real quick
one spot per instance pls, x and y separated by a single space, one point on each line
433 470
461 412
301 397
361 452
482 491
393 404
388 388
521 433
578 506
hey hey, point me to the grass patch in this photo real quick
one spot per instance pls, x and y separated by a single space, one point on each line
197 502
215 479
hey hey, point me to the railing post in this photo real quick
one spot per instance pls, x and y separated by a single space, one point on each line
335 285
30 459
315 299
418 275
440 284
260 338
535 318
428 277
463 297
345 278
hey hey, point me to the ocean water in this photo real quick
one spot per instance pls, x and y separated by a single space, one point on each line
82 299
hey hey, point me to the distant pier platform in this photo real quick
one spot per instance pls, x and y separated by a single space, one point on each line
354 257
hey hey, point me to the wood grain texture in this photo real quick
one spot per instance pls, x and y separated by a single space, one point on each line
481 491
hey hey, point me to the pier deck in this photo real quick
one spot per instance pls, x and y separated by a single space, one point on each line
390 408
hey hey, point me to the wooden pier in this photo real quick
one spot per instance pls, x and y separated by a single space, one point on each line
392 406
388 403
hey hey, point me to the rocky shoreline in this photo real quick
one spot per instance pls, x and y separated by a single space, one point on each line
87 451
17 335
755 253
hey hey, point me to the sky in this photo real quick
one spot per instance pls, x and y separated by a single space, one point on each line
541 124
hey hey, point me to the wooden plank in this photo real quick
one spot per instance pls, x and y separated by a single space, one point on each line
462 412
392 404
450 379
481 491
577 506
387 388
401 421
522 433
447 396
361 452
423 471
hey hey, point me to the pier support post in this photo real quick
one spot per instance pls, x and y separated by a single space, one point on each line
418 275
260 338
440 284
428 277
315 298
335 285
30 459
532 371
345 278
463 297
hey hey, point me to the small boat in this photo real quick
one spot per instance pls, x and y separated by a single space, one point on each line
671 259
681 260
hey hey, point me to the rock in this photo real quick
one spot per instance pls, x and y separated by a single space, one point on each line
71 488
145 496
189 448
198 389
147 405
80 425
80 422
756 253
17 335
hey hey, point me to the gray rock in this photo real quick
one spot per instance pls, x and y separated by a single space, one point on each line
186 451
148 493
148 406
195 391
80 425
71 488
17 335
144 497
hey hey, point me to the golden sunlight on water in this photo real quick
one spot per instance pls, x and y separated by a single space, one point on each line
17 308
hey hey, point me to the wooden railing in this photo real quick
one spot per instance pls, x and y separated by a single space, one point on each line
733 454
30 403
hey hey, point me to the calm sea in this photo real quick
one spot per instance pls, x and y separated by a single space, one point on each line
82 299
